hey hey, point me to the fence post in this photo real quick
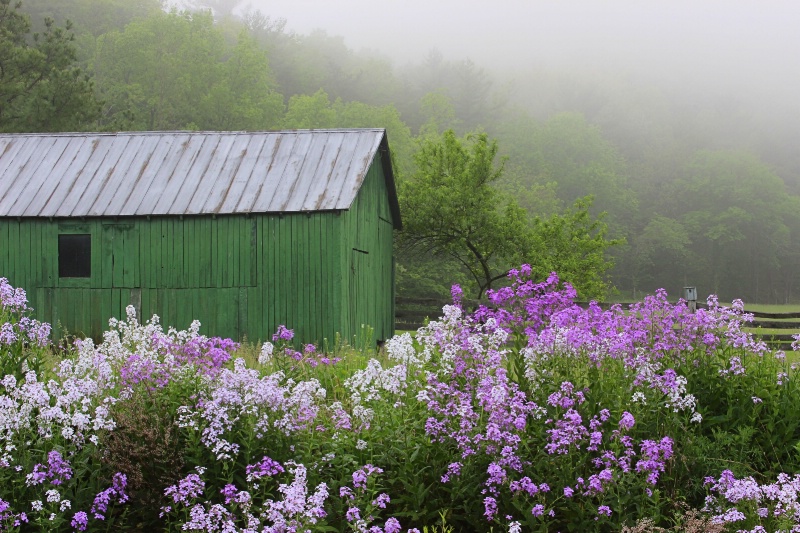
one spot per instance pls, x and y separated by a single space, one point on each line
690 295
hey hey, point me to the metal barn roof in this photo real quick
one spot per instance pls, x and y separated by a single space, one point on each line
186 173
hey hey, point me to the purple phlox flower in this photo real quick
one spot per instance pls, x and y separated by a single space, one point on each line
114 493
497 475
8 335
595 439
666 382
13 300
229 491
490 506
215 518
537 510
392 525
604 510
37 476
353 514
7 517
340 417
777 499
57 471
205 355
457 293
37 333
360 476
524 485
283 334
569 431
654 458
597 482
138 369
525 304
381 500
187 489
80 520
265 468
453 469
735 368
627 421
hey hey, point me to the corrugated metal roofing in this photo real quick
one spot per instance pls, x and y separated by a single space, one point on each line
186 173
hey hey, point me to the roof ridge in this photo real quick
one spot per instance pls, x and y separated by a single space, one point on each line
186 132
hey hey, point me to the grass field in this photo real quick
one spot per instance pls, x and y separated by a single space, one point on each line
773 308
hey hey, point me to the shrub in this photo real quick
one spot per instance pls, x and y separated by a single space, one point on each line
528 414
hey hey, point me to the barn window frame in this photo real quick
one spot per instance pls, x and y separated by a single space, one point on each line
68 230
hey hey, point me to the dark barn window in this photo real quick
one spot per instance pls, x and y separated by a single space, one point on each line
74 256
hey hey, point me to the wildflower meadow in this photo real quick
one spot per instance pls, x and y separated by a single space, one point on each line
530 414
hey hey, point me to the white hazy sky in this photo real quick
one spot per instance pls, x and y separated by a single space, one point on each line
747 42
587 28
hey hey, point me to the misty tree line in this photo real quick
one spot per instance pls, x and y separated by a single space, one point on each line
693 194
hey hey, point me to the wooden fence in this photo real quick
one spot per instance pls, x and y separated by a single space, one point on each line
412 313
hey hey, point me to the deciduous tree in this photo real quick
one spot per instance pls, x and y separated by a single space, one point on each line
451 207
175 71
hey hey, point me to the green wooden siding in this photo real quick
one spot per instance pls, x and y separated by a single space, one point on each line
320 273
369 292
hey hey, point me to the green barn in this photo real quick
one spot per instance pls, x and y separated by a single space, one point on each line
240 230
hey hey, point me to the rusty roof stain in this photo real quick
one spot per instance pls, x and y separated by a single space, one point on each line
188 173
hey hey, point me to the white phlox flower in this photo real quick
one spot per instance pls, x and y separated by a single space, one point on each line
266 353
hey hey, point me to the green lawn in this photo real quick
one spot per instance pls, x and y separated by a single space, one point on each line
772 308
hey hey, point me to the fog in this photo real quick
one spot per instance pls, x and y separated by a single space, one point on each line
662 79
746 46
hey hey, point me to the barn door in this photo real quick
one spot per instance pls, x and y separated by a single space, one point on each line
359 298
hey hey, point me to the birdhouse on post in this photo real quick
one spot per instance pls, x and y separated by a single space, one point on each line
690 295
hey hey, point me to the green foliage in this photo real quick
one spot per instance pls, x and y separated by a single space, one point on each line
467 88
242 97
147 446
89 19
451 207
575 244
40 88
174 71
739 220
309 112
576 159
657 252
93 17
438 113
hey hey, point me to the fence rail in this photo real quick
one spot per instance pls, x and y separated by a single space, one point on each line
412 313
